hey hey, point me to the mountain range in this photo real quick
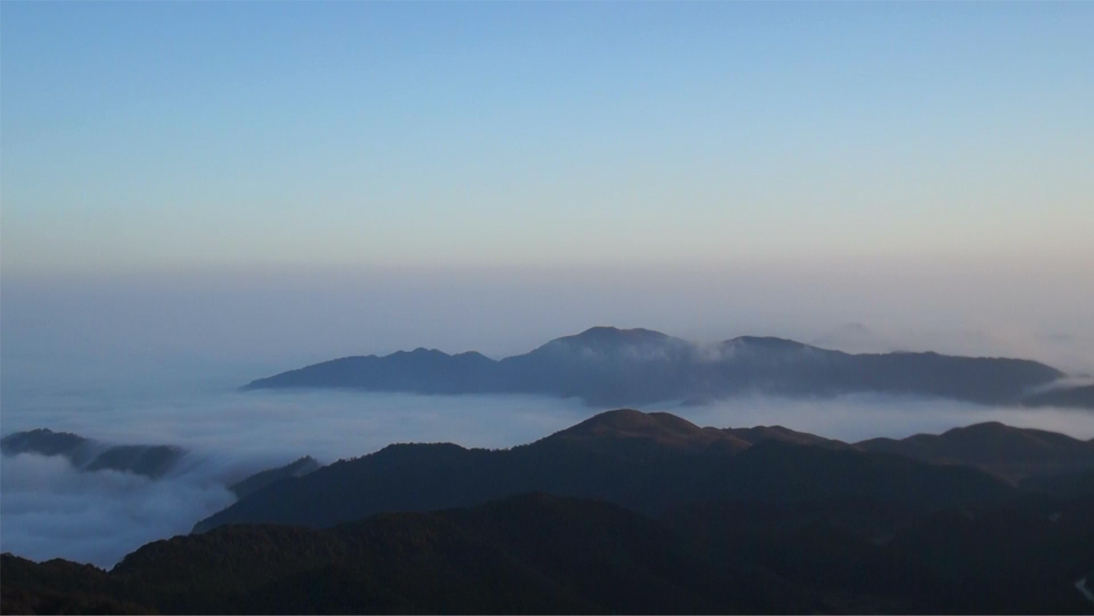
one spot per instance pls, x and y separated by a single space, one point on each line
629 512
606 367
546 554
652 462
1013 453
152 461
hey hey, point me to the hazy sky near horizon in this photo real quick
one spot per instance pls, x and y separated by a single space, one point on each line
161 137
252 186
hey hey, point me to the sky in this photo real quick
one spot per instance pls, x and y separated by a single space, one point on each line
166 137
252 186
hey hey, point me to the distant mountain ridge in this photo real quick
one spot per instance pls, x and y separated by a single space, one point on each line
151 461
1081 396
1015 453
605 366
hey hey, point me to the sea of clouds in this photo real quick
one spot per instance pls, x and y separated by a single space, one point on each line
49 509
158 359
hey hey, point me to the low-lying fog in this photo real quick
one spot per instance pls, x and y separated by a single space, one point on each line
48 509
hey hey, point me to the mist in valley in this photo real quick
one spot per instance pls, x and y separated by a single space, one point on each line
159 360
50 509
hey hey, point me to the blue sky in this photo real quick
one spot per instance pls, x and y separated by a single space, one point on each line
148 137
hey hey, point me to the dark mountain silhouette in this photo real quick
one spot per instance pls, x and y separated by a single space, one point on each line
152 461
1079 484
1025 556
261 479
1010 452
526 554
60 587
42 442
541 554
606 366
686 520
760 434
630 429
1021 556
668 430
1075 397
645 462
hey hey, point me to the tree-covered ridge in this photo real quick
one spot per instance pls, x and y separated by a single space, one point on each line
541 554
646 462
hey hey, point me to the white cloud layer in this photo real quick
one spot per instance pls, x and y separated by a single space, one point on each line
49 510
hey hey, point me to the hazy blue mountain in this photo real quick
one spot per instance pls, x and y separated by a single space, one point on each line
1076 397
645 462
43 441
606 366
85 454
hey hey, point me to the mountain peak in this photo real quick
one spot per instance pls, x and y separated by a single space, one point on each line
629 423
607 334
611 367
424 352
982 427
996 433
1007 451
42 441
766 342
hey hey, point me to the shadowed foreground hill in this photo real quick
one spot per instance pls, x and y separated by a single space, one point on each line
1065 485
1024 556
528 554
1009 452
645 462
261 479
606 366
632 513
541 554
